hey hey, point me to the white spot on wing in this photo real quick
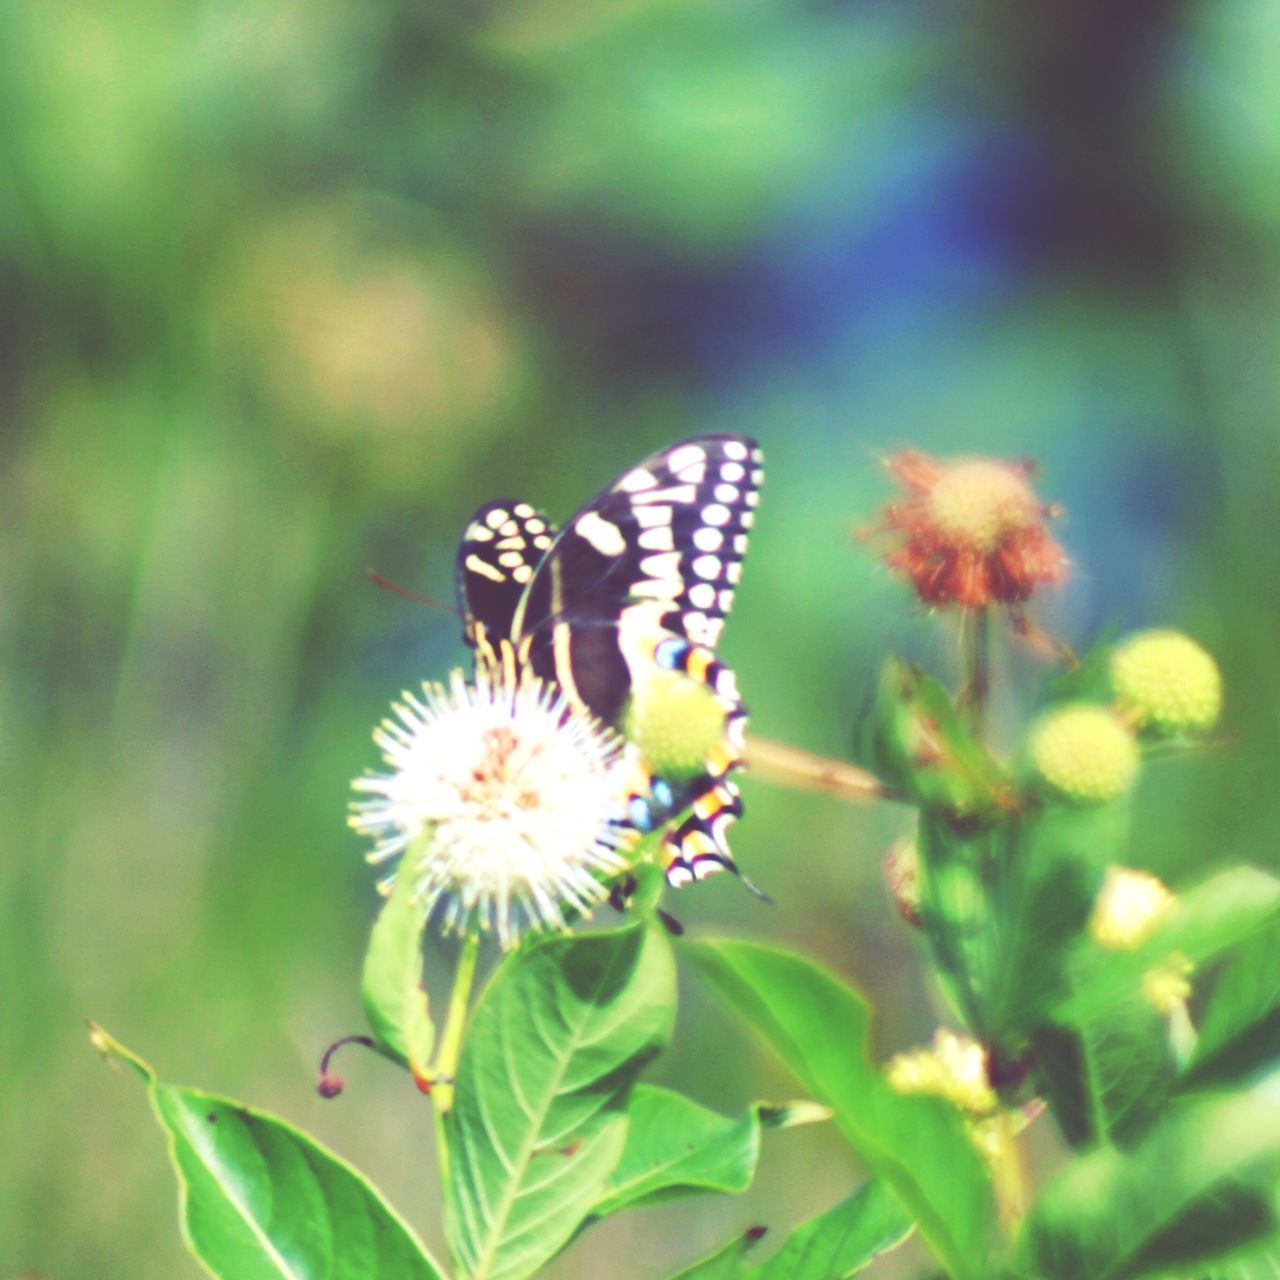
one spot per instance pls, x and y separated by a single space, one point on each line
708 539
636 480
695 474
732 471
686 456
536 526
495 517
753 499
675 493
702 596
509 559
666 565
726 493
476 565
522 573
733 572
651 517
523 510
510 529
726 601
748 519
542 542
735 449
477 533
715 514
740 543
659 538
606 538
707 566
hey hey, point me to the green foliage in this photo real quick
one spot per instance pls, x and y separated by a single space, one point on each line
539 1119
833 1246
1240 1029
843 1241
1224 911
675 1147
395 1001
262 1201
1203 1182
918 1146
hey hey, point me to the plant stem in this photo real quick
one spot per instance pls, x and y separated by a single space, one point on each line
1009 1174
976 642
446 1064
791 767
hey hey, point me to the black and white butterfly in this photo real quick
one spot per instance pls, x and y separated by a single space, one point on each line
638 582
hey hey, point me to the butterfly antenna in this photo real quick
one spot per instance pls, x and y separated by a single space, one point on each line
387 585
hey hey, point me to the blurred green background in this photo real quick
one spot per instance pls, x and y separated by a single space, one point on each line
289 288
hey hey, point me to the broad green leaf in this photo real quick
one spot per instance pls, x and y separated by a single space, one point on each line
676 1147
728 1262
919 1146
260 1200
395 1001
841 1242
539 1116
1057 857
1223 912
1254 1264
1201 1184
1240 1030
1107 1079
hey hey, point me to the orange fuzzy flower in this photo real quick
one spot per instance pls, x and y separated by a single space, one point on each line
972 531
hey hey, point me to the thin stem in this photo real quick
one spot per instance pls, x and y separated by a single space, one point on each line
1009 1172
976 645
446 1064
791 767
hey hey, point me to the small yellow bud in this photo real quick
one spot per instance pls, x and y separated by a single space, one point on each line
676 722
1129 908
1085 752
980 501
1165 680
954 1069
1167 986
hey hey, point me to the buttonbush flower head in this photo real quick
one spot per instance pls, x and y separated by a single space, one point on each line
971 531
1165 681
1084 752
503 795
1129 908
955 1069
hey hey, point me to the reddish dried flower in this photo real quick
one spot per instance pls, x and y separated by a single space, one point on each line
972 531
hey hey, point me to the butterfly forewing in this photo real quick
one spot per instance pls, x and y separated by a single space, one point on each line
663 544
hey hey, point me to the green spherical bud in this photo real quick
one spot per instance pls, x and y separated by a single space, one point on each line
677 723
1167 682
1084 752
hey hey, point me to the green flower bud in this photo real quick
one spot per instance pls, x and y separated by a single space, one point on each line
1167 682
1085 752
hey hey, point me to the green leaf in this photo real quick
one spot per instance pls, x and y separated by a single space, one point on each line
1241 1026
1221 913
919 1146
1047 890
260 1200
677 1147
1200 1185
395 1001
843 1241
1107 1079
539 1117
917 741
728 1262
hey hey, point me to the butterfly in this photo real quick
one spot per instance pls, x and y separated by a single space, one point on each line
635 585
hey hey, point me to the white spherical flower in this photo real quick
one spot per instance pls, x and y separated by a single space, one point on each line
504 796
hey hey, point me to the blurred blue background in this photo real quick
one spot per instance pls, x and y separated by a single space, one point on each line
289 288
